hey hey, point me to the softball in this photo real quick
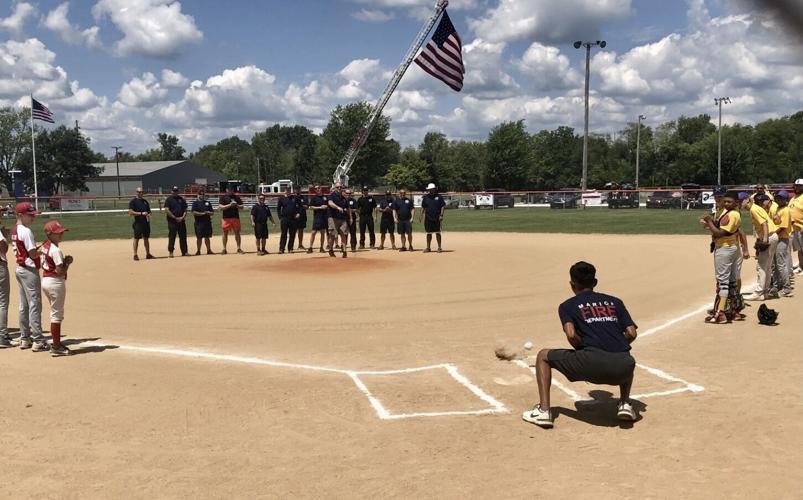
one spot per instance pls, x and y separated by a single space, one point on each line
528 345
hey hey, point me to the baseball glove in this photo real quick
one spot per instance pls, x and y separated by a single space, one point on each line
760 246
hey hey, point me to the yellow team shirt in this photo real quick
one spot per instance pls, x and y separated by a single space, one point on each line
796 213
760 216
730 221
784 223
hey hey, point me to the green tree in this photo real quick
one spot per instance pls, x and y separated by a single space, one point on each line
287 153
233 157
375 156
63 160
168 149
509 156
15 141
557 159
434 152
465 168
410 172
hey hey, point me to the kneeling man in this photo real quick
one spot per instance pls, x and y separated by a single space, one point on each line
600 329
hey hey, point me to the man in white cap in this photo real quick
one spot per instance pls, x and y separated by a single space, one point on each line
432 206
796 215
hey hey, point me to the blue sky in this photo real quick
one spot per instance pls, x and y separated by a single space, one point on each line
204 70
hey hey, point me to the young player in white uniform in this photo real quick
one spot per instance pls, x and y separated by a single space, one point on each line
54 286
28 279
5 289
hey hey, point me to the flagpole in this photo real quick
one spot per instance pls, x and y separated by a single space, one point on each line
33 149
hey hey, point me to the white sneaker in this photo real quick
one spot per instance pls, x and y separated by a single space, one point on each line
539 417
754 296
626 412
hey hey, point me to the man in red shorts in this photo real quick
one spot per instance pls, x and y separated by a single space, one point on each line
230 204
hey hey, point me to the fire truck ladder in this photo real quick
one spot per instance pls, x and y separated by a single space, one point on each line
343 169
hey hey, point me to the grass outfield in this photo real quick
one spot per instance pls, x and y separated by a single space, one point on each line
521 220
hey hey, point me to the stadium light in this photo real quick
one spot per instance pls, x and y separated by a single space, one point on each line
602 44
718 101
638 145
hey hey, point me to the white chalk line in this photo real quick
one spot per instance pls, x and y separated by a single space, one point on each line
376 404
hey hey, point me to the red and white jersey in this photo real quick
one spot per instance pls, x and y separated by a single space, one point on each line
51 257
23 242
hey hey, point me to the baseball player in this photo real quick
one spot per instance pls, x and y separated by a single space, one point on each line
724 228
783 259
202 210
600 329
54 282
796 214
5 289
432 206
30 285
766 235
140 210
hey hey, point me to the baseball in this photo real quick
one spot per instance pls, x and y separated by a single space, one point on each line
528 345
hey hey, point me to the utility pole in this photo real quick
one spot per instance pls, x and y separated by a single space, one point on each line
117 160
718 102
638 146
587 45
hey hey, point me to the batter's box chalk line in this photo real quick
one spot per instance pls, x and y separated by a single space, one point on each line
494 406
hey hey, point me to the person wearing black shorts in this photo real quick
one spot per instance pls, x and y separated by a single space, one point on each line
432 206
403 213
318 204
386 221
260 214
601 330
202 210
140 210
366 205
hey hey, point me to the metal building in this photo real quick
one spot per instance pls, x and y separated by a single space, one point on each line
153 176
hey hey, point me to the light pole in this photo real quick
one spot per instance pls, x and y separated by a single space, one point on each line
587 45
117 160
638 145
718 102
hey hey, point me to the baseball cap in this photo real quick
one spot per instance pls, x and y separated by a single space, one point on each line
782 194
175 189
26 208
799 182
743 196
720 191
430 186
761 198
54 227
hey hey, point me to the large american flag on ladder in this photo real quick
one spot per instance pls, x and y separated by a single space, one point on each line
442 57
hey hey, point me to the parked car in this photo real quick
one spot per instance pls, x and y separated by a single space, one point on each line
692 196
451 201
563 200
664 199
494 198
622 195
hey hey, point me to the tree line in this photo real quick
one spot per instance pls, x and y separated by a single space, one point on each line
674 152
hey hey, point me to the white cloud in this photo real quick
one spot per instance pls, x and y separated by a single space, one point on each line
155 28
547 69
372 16
173 79
542 21
57 21
485 70
19 14
142 92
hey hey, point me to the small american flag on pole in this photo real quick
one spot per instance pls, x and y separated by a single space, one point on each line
442 57
40 112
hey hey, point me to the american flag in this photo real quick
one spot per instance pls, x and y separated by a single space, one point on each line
442 57
40 111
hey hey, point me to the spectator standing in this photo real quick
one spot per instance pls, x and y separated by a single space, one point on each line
176 211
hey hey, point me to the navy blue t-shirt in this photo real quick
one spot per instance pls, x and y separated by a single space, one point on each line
177 205
318 201
301 207
404 208
599 319
387 215
432 206
340 202
261 213
140 205
287 206
202 206
353 206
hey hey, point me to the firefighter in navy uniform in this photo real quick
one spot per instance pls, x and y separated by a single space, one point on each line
366 205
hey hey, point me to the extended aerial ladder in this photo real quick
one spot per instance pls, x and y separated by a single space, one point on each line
343 169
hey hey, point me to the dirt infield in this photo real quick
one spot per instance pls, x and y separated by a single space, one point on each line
297 376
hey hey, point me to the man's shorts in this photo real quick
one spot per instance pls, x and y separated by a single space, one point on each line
141 229
203 229
432 226
338 226
261 229
386 226
404 227
230 225
797 241
593 365
318 224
